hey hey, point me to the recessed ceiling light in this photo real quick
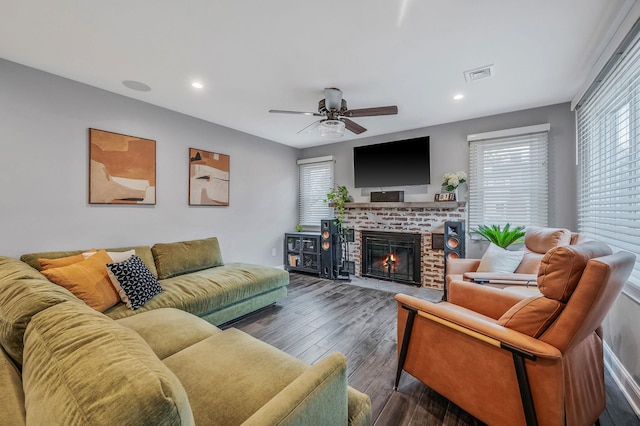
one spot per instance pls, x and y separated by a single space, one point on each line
458 96
136 85
197 85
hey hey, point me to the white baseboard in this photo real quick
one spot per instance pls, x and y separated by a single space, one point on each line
623 379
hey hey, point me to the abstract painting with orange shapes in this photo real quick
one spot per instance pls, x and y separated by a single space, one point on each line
122 169
208 178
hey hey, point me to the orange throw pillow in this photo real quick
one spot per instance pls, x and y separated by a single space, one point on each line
87 280
59 262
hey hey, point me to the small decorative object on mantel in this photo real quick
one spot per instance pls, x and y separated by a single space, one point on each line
299 228
451 182
445 196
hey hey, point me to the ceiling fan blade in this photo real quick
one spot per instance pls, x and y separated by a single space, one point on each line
280 111
370 112
353 126
310 127
333 98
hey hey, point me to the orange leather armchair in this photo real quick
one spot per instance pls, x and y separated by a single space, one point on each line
537 241
509 360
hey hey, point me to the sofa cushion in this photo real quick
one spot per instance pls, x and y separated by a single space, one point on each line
540 239
23 293
80 367
210 290
143 252
60 262
133 281
88 280
179 258
562 267
11 393
530 263
169 330
260 372
532 316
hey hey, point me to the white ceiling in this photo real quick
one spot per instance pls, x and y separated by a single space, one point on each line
253 56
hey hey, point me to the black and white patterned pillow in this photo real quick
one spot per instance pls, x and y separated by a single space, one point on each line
135 284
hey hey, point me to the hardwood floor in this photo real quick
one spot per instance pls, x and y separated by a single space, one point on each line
320 316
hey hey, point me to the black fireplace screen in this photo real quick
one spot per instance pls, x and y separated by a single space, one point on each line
391 256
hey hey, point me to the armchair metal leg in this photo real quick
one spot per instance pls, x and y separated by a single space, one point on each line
405 343
525 390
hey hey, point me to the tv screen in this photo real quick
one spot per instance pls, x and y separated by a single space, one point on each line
398 163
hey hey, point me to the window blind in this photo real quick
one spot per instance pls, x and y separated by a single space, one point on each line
608 134
508 179
314 182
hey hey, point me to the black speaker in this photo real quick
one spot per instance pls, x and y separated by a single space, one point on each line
453 241
387 196
330 249
453 246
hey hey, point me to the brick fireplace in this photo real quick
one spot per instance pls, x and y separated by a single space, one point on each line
422 218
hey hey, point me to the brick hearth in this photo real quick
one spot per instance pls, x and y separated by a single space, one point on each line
422 218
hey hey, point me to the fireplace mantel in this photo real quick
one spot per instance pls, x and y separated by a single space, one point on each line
413 204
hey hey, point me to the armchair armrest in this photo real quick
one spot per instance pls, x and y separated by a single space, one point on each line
476 327
460 266
489 301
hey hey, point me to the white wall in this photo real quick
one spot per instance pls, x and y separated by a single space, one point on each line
44 121
450 152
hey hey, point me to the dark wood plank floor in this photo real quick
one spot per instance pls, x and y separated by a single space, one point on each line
319 317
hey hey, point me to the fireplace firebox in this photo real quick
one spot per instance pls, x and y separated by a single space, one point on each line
391 256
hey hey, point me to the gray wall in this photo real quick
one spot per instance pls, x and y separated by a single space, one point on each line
450 152
44 174
623 337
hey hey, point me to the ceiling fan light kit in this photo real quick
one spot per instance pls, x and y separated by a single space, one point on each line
334 108
332 129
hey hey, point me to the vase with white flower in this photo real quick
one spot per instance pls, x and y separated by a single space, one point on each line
452 180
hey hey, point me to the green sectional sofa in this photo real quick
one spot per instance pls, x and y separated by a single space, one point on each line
166 363
195 279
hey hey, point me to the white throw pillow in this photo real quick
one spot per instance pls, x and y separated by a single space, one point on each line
497 259
116 256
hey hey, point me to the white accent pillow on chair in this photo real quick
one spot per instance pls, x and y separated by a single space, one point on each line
497 259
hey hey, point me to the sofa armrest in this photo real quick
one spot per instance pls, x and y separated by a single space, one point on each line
488 301
319 395
460 266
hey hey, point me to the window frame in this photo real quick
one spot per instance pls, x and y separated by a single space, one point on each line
608 157
315 209
478 192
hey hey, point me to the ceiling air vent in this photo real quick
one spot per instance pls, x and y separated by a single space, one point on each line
478 73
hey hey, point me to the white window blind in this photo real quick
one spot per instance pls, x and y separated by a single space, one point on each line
315 181
609 158
508 179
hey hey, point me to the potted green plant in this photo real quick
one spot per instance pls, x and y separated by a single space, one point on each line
502 237
337 197
299 228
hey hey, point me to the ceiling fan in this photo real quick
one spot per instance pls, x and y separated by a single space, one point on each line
333 109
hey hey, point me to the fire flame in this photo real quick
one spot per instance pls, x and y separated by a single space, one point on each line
390 260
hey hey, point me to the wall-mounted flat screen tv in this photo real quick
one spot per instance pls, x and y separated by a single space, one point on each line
404 162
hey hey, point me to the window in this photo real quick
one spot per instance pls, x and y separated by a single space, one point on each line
314 182
609 157
508 177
